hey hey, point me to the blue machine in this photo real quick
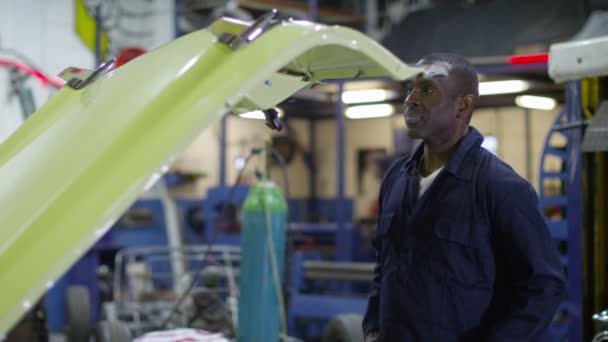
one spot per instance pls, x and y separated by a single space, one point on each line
316 301
320 288
148 230
224 230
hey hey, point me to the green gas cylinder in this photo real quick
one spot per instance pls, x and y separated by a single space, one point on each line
259 311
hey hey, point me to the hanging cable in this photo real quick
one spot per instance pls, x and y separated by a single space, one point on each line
283 164
277 281
275 274
272 250
22 67
211 242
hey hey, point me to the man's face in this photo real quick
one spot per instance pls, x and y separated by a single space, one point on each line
430 107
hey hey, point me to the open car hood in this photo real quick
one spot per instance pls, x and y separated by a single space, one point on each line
80 161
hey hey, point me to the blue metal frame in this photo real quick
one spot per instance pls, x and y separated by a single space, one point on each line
177 32
343 244
317 308
494 69
98 36
312 169
558 229
323 307
223 124
569 227
575 213
313 10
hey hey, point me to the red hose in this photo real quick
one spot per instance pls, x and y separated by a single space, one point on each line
44 79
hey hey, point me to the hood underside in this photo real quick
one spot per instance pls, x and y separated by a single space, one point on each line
81 160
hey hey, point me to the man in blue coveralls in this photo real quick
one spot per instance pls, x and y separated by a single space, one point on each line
463 253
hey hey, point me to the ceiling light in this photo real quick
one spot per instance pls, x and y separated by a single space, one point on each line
369 111
503 87
535 102
367 95
258 114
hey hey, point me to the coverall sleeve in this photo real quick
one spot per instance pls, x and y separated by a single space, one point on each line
528 262
371 318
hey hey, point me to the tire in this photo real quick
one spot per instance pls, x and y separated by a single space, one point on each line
112 331
78 314
344 328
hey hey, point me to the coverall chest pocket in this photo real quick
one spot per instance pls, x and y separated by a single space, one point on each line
457 251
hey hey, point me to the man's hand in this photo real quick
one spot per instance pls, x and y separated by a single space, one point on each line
372 336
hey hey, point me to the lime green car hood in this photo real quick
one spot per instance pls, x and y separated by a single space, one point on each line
76 165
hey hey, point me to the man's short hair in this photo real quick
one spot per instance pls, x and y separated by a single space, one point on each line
461 68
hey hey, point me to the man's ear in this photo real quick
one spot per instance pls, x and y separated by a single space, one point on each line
465 105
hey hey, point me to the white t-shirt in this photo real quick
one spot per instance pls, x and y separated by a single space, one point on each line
425 182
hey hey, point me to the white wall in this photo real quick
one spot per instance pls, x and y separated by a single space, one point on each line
359 134
242 135
372 133
506 124
43 31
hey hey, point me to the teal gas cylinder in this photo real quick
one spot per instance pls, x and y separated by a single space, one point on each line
258 313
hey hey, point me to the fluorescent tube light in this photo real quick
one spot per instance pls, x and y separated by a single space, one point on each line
535 102
503 87
258 114
367 95
369 111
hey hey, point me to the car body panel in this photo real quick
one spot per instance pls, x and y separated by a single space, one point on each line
77 164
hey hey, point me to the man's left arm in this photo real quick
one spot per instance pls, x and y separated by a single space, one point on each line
529 264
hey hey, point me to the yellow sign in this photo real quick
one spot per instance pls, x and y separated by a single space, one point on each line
85 28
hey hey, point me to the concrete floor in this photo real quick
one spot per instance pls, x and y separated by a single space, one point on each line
56 337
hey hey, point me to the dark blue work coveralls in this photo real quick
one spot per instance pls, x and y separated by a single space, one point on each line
471 260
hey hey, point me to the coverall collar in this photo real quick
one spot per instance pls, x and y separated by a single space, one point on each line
458 165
